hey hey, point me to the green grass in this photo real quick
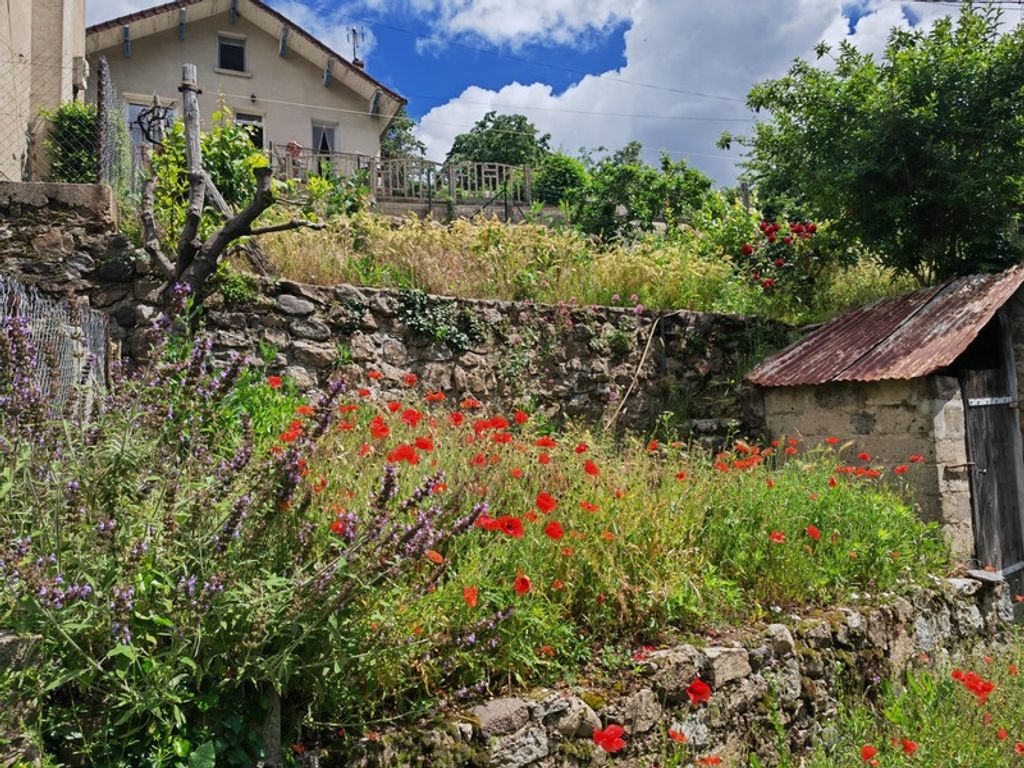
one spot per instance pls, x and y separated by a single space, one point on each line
940 715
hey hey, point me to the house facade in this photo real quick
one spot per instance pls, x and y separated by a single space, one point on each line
42 65
289 88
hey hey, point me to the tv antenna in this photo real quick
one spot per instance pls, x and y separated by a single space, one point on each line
356 37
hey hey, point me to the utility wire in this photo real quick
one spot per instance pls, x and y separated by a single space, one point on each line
549 65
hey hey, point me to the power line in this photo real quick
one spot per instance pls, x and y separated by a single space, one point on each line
549 65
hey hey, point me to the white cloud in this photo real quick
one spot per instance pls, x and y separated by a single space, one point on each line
101 10
721 49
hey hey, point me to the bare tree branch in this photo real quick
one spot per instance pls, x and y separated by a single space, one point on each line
151 242
287 225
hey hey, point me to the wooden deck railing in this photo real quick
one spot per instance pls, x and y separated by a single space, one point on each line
412 178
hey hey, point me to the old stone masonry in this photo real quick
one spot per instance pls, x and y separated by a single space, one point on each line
770 687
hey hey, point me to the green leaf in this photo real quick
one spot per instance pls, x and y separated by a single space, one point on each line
204 757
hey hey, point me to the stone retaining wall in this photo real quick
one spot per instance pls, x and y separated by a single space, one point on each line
565 361
777 682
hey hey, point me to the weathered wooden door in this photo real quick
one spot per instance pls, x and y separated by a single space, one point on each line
988 382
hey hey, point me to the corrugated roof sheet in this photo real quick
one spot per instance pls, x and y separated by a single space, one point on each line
902 337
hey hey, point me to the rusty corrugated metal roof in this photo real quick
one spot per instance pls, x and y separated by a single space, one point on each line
902 337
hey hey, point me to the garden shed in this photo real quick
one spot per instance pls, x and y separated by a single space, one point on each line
934 373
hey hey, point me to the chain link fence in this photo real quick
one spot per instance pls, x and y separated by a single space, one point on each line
61 123
72 342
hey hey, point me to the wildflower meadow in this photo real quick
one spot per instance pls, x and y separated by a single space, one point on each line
207 542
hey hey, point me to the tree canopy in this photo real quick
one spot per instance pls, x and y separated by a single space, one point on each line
399 140
918 156
510 139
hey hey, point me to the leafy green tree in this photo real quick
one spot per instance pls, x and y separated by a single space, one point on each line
625 195
399 140
916 156
558 176
509 139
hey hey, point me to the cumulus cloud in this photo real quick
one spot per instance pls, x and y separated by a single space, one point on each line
720 49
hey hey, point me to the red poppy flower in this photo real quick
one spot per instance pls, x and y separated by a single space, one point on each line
709 760
790 450
521 417
554 530
699 692
813 532
916 458
909 747
404 452
610 739
546 503
424 443
557 584
587 506
470 403
652 446
522 584
305 410
379 428
435 557
347 408
487 523
581 448
832 440
721 466
516 472
365 449
864 456
867 752
412 417
1019 747
274 382
567 551
770 482
470 595
375 375
320 484
591 468
544 459
456 418
607 535
512 526
677 736
531 516
479 460
1002 734
394 407
777 537
1013 670
435 397
899 470
545 442
363 392
410 379
338 527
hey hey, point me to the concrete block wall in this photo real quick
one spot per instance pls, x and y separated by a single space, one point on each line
892 420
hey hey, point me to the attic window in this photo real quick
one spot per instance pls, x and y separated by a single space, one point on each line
231 53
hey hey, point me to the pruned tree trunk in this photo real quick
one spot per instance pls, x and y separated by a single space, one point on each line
196 259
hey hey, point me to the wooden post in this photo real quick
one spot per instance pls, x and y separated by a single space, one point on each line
451 182
528 185
374 181
190 112
745 195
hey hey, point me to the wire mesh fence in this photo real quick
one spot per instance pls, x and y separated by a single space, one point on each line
56 125
71 341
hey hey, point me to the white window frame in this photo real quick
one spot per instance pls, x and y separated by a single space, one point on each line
242 42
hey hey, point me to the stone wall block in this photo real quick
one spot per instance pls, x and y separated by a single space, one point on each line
727 664
501 716
313 354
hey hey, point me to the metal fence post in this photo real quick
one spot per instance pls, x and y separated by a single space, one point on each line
102 132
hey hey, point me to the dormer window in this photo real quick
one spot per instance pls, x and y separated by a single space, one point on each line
231 53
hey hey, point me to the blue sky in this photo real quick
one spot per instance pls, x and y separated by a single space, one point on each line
672 74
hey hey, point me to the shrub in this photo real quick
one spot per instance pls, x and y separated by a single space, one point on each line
72 143
557 176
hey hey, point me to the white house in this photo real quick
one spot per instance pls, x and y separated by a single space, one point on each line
278 78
